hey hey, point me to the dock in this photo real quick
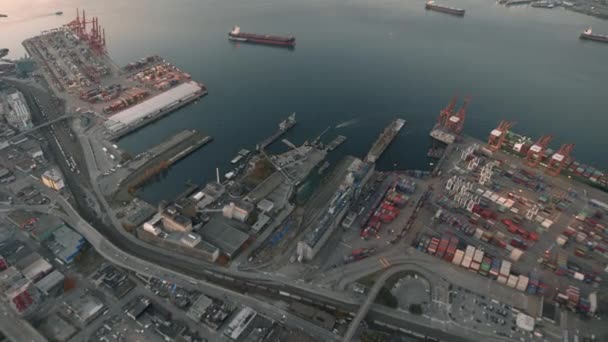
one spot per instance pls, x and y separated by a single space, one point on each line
336 142
384 140
164 156
284 127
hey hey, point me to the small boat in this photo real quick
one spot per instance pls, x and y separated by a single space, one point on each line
58 13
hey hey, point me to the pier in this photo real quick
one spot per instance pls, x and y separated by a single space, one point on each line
384 140
163 156
284 127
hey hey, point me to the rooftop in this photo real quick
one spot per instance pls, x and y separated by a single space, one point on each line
220 233
156 103
52 174
51 280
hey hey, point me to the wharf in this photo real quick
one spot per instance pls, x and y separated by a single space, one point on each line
158 159
117 130
284 127
336 142
385 139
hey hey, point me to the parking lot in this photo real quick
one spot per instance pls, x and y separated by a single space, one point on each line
482 313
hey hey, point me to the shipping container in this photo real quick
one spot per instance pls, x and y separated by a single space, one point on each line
458 255
495 268
522 283
502 279
512 280
505 268
474 266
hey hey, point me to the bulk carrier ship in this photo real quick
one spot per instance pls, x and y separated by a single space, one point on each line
589 35
431 5
266 39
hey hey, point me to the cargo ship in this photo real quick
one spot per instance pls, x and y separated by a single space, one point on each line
3 52
589 35
237 35
431 5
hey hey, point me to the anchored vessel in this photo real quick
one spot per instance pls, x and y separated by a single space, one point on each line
431 5
589 35
237 35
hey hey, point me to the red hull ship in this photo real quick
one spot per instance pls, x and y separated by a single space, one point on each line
255 38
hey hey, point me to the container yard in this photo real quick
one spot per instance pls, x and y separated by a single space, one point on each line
514 210
76 64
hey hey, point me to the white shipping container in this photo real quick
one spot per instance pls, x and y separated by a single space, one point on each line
522 283
458 255
579 276
502 279
478 257
466 262
512 281
505 268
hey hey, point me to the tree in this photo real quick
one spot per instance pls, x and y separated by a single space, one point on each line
416 309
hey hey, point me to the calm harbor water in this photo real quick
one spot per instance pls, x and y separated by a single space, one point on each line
357 65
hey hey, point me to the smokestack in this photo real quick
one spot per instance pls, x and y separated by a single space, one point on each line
217 174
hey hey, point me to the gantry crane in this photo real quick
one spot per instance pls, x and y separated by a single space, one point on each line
455 123
498 135
96 37
559 160
536 151
446 113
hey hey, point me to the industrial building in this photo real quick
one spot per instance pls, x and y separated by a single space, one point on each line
154 106
51 284
358 175
220 233
238 210
174 221
84 307
260 223
66 244
190 239
210 193
20 295
32 148
37 269
265 205
18 115
52 178
239 323
199 307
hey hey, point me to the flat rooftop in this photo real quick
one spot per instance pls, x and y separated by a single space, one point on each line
156 103
224 236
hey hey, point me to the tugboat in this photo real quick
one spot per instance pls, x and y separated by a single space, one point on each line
589 35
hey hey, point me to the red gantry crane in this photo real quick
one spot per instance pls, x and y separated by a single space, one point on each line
455 123
96 37
498 135
559 160
536 151
446 113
